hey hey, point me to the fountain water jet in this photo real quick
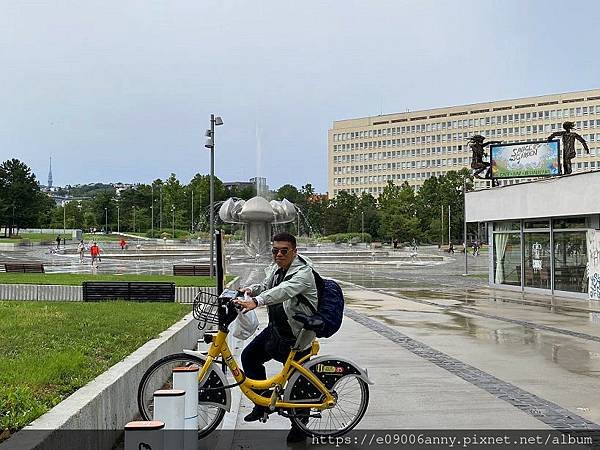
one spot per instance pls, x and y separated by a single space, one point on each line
257 215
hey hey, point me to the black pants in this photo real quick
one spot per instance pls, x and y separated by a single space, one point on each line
266 346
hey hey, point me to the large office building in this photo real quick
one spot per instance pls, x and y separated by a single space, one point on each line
365 153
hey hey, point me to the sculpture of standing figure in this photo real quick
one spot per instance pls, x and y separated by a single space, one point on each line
478 148
568 141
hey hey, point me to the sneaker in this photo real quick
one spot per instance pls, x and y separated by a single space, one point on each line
257 413
296 435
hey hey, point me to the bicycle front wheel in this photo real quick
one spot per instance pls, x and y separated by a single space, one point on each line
352 399
160 376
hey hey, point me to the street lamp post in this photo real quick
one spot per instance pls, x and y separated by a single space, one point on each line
64 219
449 225
118 220
160 211
210 143
362 226
133 208
173 211
192 230
105 220
152 213
465 223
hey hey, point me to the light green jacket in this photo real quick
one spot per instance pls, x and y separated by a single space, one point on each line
299 279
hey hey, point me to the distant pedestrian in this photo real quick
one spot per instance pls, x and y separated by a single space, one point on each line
81 250
57 242
476 246
95 253
123 244
395 243
451 248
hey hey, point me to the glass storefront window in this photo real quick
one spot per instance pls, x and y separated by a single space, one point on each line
570 260
537 224
572 222
507 258
537 260
507 225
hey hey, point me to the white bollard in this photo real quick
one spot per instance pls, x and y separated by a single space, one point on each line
144 435
186 379
169 407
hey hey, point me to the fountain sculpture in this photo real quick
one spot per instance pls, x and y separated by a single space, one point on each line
257 215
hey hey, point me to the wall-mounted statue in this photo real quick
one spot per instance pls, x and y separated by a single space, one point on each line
568 142
478 165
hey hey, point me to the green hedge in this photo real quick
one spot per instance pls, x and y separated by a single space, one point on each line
350 238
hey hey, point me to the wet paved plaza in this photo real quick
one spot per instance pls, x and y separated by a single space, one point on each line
445 351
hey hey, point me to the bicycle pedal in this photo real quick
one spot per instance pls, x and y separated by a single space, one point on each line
264 418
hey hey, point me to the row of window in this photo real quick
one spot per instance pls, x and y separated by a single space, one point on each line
470 123
440 150
362 168
455 137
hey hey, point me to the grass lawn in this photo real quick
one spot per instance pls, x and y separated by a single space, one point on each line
483 276
76 279
50 349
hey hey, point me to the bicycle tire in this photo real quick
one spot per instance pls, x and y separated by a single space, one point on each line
337 420
209 416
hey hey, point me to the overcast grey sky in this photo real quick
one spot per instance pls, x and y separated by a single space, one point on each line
123 91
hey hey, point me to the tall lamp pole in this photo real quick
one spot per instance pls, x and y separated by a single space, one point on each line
133 207
64 218
362 226
105 220
210 143
449 225
173 211
192 230
152 213
465 223
118 220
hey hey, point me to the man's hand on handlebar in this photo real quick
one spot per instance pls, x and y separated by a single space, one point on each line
247 303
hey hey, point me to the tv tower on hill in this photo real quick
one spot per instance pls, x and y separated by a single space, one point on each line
50 175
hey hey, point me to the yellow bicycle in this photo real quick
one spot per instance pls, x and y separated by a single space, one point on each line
323 396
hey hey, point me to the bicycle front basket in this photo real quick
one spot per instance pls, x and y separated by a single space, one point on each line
206 309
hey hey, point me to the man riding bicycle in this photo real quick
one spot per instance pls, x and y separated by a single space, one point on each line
287 279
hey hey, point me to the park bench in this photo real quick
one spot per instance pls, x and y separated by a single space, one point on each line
24 267
150 291
457 248
193 270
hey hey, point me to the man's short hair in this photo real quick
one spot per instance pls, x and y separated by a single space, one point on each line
285 237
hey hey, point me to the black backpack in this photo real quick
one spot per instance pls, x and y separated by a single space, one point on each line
330 308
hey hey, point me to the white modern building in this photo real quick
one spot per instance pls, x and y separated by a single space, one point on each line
537 232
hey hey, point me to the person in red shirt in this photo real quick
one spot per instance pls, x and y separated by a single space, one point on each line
123 244
95 252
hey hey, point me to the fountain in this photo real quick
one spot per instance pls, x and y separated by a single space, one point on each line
257 215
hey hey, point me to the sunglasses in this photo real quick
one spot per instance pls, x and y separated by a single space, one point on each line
283 251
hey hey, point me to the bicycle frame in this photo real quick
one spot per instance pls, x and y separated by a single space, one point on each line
219 347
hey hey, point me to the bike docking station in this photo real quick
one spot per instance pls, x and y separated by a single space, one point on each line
175 417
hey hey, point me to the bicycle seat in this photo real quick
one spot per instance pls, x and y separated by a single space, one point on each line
312 323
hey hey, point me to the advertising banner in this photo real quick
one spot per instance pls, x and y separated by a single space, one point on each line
593 249
525 159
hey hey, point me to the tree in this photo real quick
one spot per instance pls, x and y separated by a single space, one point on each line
338 213
397 212
365 213
201 186
288 192
21 200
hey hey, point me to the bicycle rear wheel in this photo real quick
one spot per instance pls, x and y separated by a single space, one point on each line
352 394
160 376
